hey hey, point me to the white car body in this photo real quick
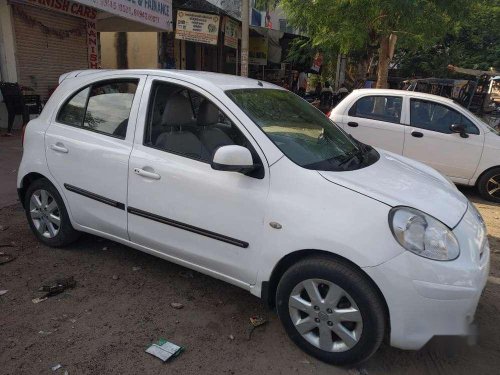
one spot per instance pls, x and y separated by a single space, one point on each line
340 213
463 160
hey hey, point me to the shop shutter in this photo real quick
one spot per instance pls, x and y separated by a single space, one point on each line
42 57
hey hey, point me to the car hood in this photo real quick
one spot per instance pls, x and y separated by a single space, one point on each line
399 181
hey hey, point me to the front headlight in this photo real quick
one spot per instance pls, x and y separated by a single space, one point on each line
422 234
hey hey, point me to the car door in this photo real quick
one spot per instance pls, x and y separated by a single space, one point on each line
429 139
88 144
178 204
376 120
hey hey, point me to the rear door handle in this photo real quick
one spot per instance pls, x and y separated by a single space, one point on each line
352 124
417 134
59 147
147 174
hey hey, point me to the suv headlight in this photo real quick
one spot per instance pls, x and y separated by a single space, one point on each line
422 234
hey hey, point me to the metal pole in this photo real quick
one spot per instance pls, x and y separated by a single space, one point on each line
245 9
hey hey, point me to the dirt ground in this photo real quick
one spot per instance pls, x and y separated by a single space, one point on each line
116 310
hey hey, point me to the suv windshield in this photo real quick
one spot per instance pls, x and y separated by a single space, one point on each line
301 132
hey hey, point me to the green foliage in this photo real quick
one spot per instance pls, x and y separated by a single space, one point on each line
474 44
354 25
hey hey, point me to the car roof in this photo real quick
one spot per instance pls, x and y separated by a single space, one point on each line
222 81
413 94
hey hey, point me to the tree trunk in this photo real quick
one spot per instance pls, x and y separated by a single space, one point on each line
384 58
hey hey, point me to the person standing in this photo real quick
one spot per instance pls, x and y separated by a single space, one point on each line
302 83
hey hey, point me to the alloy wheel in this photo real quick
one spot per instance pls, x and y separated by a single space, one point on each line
325 315
45 214
493 186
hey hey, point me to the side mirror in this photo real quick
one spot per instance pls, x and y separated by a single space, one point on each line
233 158
459 128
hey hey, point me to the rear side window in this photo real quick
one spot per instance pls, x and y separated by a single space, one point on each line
437 117
378 107
102 107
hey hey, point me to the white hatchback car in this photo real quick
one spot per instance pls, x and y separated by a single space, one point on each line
246 182
428 128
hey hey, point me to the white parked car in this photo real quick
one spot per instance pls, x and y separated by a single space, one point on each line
246 182
428 128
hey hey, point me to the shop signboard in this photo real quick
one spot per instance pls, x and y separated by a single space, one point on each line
231 32
155 13
64 6
197 27
258 48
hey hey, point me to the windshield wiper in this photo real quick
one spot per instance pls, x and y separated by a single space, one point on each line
359 154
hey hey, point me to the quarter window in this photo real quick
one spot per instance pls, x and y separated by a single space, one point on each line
377 107
437 117
101 107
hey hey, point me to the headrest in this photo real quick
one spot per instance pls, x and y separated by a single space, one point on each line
208 114
177 111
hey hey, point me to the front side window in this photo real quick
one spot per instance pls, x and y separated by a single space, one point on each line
101 107
301 132
184 122
377 107
437 117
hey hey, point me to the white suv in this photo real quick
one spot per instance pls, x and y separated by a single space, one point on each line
248 183
428 128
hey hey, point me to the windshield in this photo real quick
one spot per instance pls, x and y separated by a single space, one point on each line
301 132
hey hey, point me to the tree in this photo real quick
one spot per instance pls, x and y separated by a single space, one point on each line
375 25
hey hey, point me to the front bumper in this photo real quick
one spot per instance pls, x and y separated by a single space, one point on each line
429 298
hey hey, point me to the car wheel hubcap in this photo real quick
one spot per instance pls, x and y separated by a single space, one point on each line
45 213
493 186
325 315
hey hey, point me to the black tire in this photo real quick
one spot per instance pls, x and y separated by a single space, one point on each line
484 185
359 288
66 233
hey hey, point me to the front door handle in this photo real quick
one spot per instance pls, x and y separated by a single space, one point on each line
147 174
352 124
417 134
59 147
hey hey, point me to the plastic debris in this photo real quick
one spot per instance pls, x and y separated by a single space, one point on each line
136 269
104 248
2 292
257 321
38 299
115 277
231 337
55 287
176 305
164 350
56 367
3 227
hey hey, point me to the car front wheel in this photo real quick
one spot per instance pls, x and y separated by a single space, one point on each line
47 215
331 311
489 185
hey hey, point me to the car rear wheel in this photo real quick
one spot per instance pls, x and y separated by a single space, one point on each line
331 311
489 185
47 215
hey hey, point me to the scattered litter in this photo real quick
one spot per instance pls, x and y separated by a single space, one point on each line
38 299
164 350
494 280
305 362
186 274
3 227
66 372
255 321
44 333
231 337
55 287
6 258
2 292
136 269
105 248
115 277
177 305
72 320
56 367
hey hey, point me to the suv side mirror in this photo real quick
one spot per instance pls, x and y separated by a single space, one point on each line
233 158
459 128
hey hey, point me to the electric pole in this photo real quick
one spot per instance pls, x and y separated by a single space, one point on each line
245 24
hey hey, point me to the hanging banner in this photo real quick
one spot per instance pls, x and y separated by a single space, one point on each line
156 13
197 27
231 32
93 56
258 48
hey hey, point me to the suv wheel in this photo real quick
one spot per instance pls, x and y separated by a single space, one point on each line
47 215
489 185
331 311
